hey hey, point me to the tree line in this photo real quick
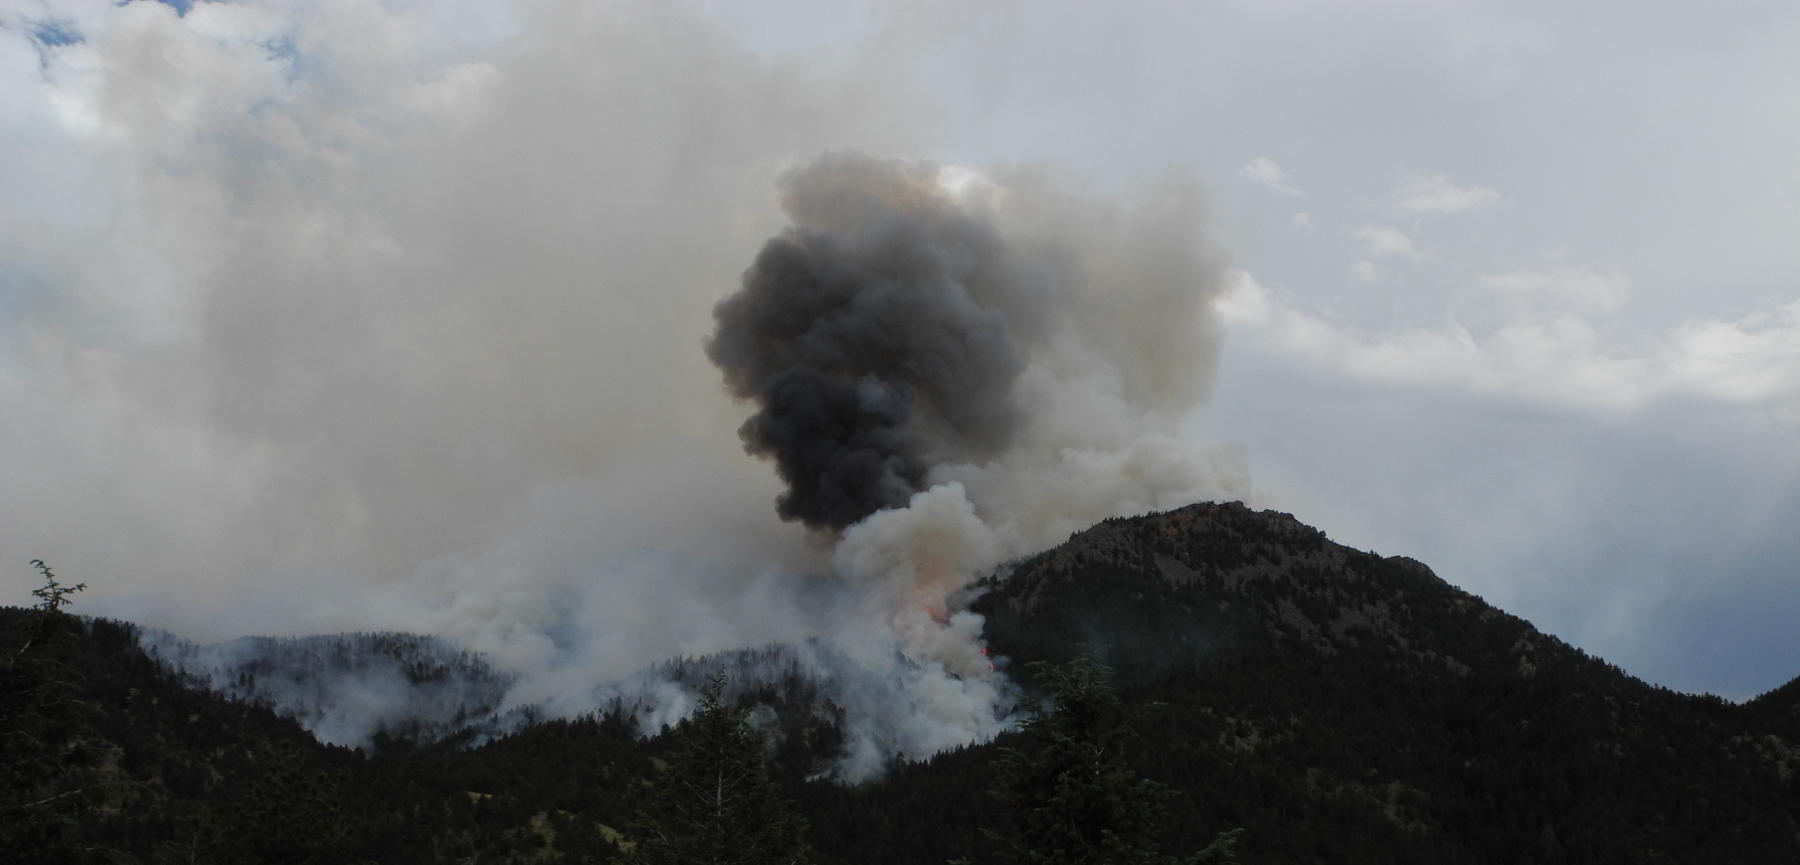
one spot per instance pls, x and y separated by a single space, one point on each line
1067 791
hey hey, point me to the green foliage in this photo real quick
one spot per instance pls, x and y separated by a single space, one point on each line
1075 798
1339 706
48 755
714 803
1363 710
52 595
197 839
286 815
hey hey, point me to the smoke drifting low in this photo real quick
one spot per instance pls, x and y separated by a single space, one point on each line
359 317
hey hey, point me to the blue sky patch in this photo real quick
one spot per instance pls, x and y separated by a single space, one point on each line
53 33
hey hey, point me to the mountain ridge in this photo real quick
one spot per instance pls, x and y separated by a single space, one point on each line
1397 677
1339 705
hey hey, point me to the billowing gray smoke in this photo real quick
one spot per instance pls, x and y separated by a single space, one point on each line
878 337
952 368
378 334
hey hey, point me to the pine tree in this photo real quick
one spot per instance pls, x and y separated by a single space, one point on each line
715 804
286 815
1074 798
47 752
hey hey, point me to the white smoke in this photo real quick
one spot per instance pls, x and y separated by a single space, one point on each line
906 565
347 688
358 316
336 313
1105 400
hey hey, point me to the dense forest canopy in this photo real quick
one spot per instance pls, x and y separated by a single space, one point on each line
1223 668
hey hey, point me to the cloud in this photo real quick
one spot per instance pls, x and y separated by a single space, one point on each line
1560 288
332 296
1263 170
1466 91
160 430
1435 193
1387 241
367 324
1560 359
1754 360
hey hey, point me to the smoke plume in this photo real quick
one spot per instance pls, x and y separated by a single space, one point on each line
374 317
873 336
949 368
912 318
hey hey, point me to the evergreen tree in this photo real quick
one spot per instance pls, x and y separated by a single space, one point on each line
1074 798
47 752
715 803
197 840
286 815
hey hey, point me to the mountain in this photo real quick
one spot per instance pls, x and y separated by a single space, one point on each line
1337 705
347 688
1345 707
1391 710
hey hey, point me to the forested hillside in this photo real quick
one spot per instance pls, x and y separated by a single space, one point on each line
1342 705
1336 705
347 687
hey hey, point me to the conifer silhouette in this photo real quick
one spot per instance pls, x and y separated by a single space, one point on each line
1075 799
715 803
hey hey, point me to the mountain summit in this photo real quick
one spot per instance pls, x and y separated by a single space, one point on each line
1348 707
1337 705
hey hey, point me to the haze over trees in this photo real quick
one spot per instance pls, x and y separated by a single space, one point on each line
1073 797
48 755
714 802
1333 704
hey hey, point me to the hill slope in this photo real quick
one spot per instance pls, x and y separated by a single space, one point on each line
1339 681
1340 706
1345 707
346 688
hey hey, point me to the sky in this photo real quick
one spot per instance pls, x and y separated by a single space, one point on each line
338 315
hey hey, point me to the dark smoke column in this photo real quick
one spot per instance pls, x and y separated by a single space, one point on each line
872 336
